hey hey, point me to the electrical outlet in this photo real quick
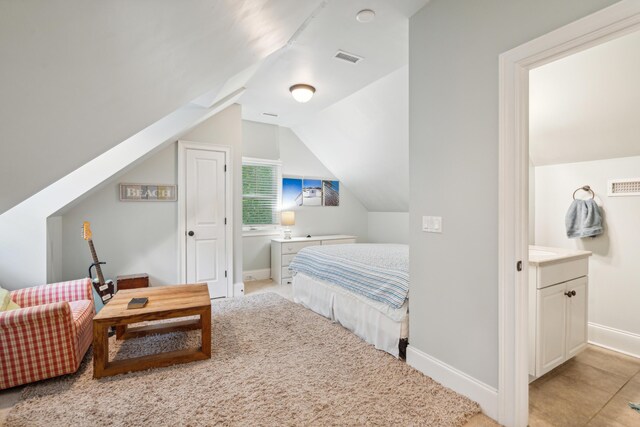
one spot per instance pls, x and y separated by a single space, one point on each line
432 224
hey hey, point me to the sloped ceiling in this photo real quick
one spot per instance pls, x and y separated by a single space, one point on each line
309 58
586 106
356 123
79 77
364 141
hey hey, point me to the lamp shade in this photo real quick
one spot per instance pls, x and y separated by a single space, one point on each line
302 92
288 218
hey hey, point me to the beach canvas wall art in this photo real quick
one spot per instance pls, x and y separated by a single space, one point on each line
309 192
312 192
291 193
330 193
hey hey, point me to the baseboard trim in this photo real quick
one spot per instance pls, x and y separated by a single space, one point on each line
261 274
238 289
614 339
456 380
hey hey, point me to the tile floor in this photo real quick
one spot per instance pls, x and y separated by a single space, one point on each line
592 389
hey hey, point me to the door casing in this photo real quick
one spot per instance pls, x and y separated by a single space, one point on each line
615 21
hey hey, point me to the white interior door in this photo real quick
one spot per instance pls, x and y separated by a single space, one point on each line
205 220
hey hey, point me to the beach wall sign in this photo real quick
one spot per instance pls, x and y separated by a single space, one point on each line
148 193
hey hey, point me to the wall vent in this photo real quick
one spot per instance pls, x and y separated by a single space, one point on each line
624 187
349 57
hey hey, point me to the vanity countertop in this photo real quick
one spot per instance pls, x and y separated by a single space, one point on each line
540 255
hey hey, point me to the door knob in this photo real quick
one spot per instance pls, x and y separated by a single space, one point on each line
191 233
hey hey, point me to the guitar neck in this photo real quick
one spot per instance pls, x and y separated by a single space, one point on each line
96 262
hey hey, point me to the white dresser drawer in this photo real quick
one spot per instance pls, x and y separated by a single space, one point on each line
286 259
338 241
294 247
286 272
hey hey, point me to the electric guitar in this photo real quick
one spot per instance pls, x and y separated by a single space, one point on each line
105 289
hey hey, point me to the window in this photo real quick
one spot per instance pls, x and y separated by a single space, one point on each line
260 194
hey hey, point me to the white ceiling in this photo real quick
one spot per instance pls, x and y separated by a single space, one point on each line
587 106
78 77
364 141
356 123
309 58
81 77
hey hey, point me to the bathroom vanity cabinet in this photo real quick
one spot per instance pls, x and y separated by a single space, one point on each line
558 306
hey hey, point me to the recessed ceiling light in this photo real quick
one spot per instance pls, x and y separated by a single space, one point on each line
365 16
302 92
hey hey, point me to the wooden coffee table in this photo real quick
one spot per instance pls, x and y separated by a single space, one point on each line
165 302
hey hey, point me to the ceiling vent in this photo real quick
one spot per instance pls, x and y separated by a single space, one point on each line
349 57
624 187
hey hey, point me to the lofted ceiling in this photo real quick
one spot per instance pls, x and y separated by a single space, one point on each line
356 123
309 58
79 77
586 106
364 141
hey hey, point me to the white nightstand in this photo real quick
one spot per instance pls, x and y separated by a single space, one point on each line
283 251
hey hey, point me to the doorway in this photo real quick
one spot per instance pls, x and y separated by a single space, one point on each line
204 219
610 23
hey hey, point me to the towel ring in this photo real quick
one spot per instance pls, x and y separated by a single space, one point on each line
585 188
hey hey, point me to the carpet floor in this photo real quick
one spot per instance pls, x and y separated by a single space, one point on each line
273 363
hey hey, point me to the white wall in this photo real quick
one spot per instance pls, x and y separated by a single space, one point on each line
388 227
453 165
585 106
141 237
260 140
614 270
54 249
132 237
532 203
348 218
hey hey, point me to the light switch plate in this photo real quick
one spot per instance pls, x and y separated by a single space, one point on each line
432 224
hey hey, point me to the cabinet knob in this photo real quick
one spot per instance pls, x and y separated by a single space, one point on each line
569 294
573 293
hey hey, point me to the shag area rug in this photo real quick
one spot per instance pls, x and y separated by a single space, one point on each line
274 363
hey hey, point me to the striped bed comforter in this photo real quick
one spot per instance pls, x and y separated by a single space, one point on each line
377 271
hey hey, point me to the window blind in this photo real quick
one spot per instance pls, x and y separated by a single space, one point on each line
260 194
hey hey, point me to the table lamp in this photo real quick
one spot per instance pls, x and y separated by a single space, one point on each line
287 220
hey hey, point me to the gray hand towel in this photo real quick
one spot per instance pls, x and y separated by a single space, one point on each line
583 219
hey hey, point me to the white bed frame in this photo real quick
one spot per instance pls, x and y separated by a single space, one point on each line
373 321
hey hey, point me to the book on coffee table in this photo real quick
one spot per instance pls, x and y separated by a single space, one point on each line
138 302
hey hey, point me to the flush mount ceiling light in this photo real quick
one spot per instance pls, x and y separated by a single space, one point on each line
302 92
365 16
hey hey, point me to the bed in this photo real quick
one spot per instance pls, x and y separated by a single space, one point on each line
363 287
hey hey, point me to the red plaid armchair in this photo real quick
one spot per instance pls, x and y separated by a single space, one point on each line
49 335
